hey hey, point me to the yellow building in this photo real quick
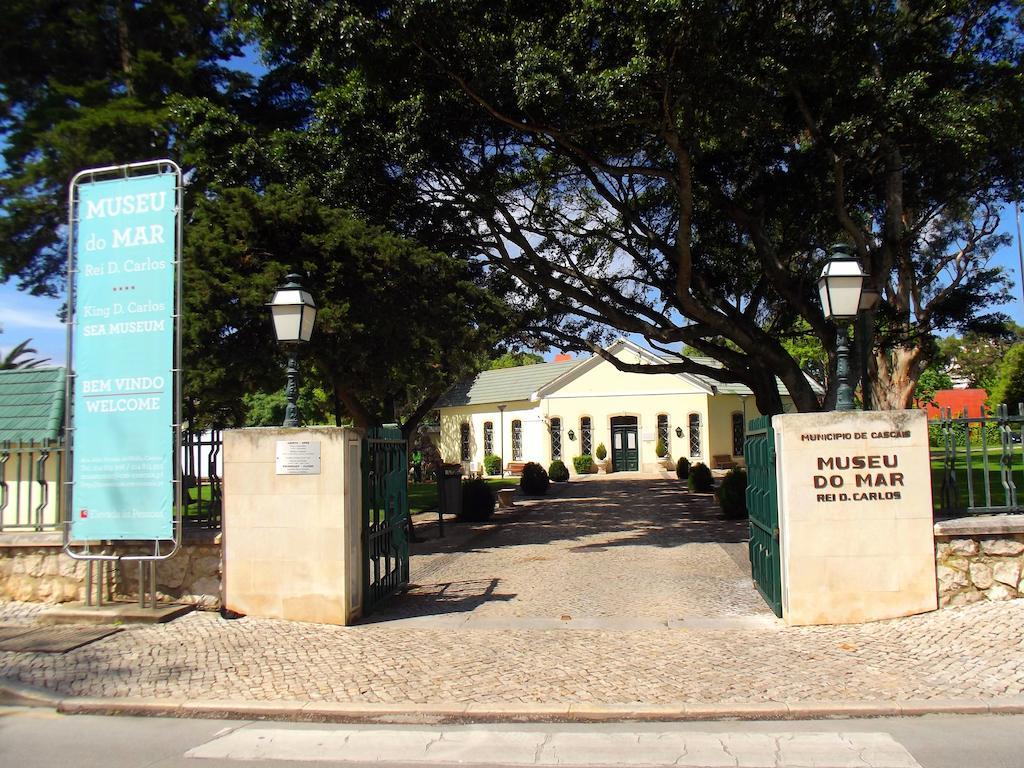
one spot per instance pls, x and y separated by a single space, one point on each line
565 409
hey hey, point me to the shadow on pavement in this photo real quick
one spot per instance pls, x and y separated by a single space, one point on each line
581 517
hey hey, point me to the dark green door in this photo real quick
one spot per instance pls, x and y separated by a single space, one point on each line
763 508
625 444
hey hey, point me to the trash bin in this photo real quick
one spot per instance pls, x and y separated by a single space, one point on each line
450 490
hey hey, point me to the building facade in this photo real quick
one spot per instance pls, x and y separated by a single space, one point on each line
561 410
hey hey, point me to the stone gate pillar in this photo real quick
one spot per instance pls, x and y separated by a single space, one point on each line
292 523
855 516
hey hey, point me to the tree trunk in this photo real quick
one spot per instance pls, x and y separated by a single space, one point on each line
894 374
124 46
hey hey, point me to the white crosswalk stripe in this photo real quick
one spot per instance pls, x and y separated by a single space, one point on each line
682 749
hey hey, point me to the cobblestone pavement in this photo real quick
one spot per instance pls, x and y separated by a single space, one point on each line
971 652
601 548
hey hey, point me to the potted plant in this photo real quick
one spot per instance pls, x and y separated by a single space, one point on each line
661 450
583 465
601 454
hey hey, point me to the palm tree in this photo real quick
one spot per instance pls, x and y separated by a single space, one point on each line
10 361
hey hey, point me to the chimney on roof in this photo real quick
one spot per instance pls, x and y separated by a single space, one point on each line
562 357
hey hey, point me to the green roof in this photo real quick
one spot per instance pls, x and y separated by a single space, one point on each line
503 385
31 404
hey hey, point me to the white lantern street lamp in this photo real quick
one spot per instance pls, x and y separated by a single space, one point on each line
840 287
294 313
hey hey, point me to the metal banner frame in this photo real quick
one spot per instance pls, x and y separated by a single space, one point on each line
105 551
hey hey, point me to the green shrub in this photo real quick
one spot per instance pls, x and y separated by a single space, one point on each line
659 449
558 472
601 453
1009 386
700 480
583 465
732 494
959 433
477 501
492 464
534 480
683 468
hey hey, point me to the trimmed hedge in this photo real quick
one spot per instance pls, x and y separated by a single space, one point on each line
601 453
732 494
683 468
534 480
478 501
660 449
700 480
583 465
558 472
492 464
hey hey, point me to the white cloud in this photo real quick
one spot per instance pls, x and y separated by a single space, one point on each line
13 319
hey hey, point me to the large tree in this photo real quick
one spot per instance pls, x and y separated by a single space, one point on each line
86 83
678 170
976 357
397 323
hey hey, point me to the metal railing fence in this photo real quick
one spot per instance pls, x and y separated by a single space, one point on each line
32 494
976 461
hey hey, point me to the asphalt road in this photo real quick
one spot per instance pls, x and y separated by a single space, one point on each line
38 738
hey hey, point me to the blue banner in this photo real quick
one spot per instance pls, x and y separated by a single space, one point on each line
123 359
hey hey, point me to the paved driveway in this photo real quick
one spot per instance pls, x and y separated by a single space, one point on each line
621 558
620 549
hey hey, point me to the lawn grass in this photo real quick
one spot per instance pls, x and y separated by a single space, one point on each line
978 478
423 496
190 501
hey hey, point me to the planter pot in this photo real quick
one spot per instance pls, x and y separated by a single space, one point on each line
603 467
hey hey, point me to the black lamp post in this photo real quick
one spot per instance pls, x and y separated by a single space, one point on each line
294 313
839 287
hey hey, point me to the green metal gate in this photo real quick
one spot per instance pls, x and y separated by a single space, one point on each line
385 514
763 507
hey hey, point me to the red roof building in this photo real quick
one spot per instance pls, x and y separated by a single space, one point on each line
956 400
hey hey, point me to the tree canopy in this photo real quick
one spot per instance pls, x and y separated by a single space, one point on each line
1008 388
674 171
677 171
17 357
514 360
86 83
396 325
976 357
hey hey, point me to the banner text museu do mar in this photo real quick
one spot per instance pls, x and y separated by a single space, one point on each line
123 461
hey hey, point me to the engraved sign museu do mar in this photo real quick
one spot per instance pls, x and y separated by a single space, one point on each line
857 476
123 358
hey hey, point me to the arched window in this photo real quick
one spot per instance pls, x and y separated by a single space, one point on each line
663 431
464 442
694 424
488 438
737 434
586 437
517 440
556 438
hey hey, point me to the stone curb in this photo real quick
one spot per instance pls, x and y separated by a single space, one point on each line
17 694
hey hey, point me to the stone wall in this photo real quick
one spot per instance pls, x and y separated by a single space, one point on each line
34 568
979 558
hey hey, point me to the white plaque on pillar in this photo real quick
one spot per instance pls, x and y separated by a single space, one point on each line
855 516
297 457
